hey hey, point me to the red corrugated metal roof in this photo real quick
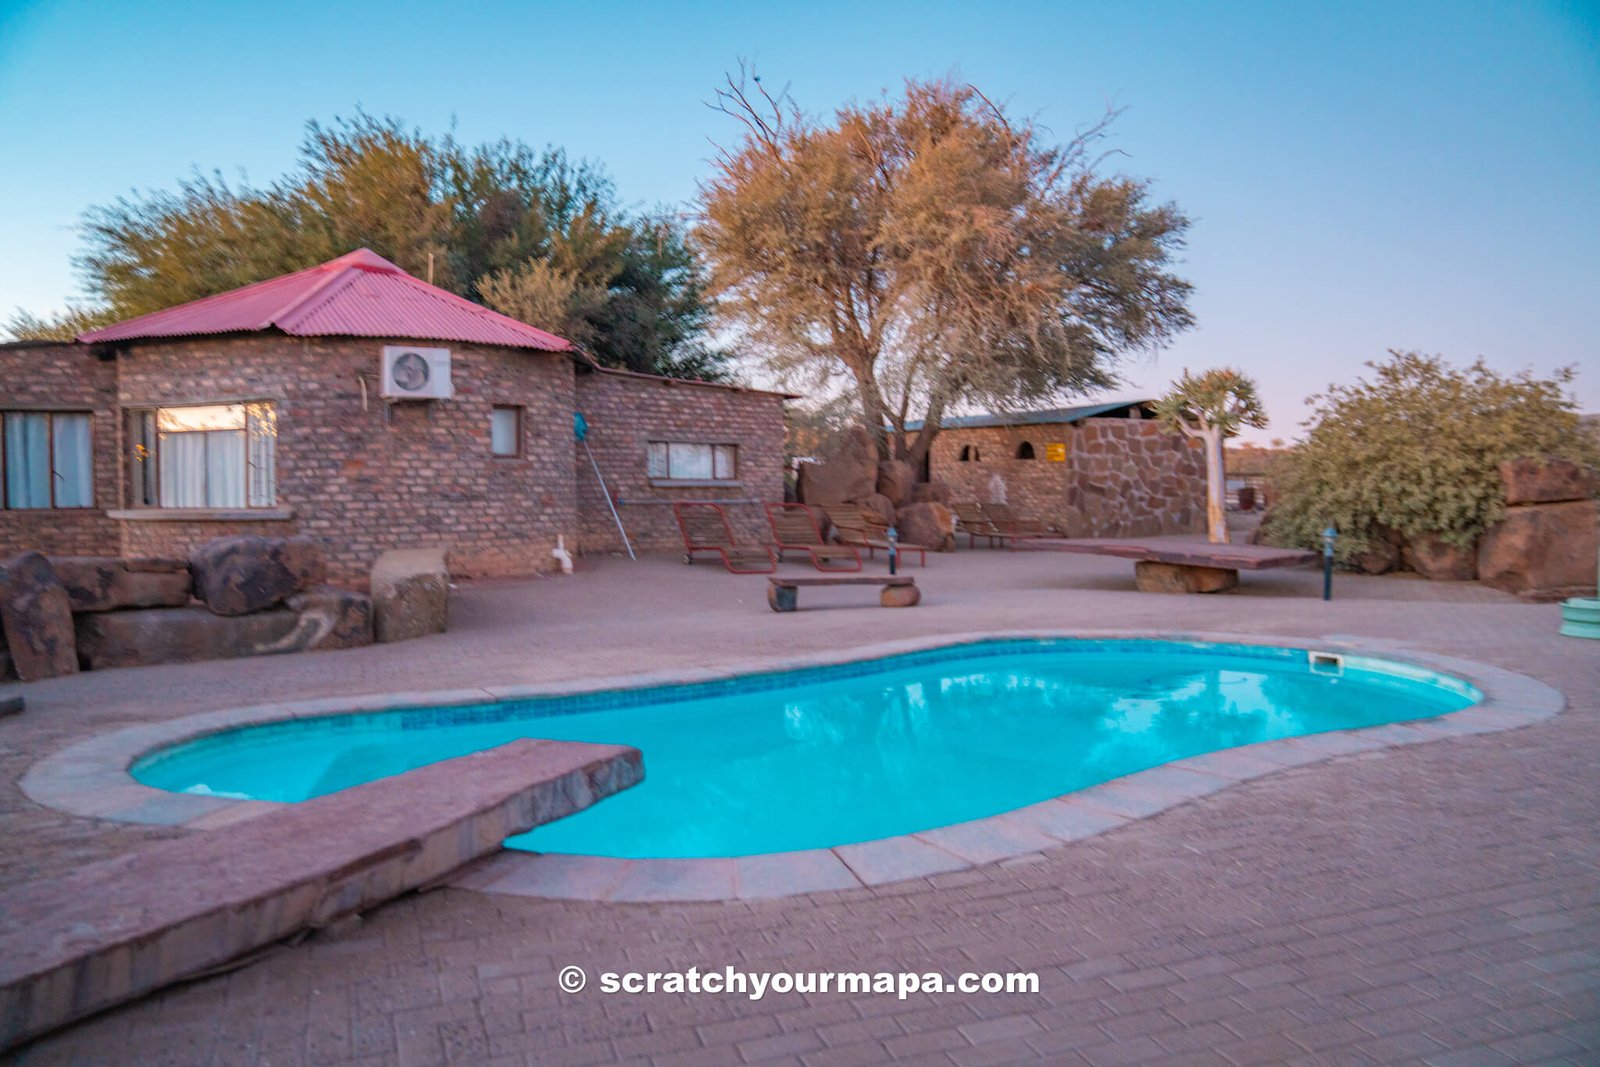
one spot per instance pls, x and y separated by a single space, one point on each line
357 295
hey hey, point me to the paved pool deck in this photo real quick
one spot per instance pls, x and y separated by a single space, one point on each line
1434 903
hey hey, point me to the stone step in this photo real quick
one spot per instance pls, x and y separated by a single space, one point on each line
121 928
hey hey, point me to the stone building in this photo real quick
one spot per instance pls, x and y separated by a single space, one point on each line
280 408
1104 470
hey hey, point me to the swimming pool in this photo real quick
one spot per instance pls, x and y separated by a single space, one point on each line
835 755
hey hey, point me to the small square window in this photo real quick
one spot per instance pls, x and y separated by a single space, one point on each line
505 431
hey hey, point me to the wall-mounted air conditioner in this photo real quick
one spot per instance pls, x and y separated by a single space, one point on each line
411 373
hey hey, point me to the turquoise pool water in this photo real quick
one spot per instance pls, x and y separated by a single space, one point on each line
834 755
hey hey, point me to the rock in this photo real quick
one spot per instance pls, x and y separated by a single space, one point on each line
239 575
927 524
900 596
934 492
1530 480
1431 557
1152 577
1540 547
37 617
1382 553
896 479
877 508
7 668
338 618
106 583
410 594
11 705
181 635
849 474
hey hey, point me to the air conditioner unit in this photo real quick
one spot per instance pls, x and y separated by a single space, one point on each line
416 373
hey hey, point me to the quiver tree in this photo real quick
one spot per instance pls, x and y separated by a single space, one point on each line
1211 408
935 251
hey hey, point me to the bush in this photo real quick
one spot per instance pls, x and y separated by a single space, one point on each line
1417 450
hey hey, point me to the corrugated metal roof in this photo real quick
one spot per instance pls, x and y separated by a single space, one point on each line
1041 417
360 294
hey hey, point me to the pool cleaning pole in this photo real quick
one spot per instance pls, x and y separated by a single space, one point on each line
580 427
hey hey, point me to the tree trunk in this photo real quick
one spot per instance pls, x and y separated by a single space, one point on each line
1216 494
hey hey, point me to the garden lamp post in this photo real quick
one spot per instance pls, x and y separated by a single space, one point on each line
894 551
1329 536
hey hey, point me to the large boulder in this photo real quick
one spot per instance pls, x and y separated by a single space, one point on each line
333 618
181 635
934 492
240 575
849 474
410 594
929 525
106 583
877 507
896 478
1540 548
1432 557
1382 553
1531 480
37 617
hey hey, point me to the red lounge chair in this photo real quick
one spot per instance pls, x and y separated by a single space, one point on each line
856 527
971 520
794 528
705 529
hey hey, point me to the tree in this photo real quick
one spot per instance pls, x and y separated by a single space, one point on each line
1211 408
532 234
1416 450
934 250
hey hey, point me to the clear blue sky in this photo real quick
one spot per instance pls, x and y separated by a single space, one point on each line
1362 176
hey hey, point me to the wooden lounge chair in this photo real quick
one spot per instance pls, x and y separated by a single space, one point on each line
1007 521
794 529
705 529
855 526
971 520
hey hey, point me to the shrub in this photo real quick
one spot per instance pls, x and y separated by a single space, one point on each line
1417 450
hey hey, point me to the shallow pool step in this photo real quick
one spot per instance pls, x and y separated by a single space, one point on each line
120 928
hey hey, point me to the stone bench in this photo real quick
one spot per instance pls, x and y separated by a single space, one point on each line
899 591
1177 566
118 929
410 593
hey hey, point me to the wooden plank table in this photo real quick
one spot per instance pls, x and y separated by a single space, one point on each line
1171 565
899 591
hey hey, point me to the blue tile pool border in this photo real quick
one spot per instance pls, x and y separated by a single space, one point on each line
92 778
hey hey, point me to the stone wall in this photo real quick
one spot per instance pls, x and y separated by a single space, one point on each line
1120 477
626 412
361 475
61 377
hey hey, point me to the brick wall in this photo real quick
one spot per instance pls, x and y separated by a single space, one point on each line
1121 477
46 377
625 413
363 475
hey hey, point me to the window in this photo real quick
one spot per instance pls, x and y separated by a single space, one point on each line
677 461
207 456
969 454
49 459
505 431
1025 450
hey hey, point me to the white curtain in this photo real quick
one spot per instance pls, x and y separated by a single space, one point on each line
27 460
183 470
74 464
261 428
225 469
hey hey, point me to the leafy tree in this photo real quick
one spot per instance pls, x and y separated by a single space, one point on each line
1211 408
61 326
936 251
1417 450
532 234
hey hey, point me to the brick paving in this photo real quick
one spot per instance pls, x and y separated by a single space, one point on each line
1431 904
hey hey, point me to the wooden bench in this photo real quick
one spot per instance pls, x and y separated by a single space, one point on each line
899 591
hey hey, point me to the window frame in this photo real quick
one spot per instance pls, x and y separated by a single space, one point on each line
519 450
134 414
728 448
50 415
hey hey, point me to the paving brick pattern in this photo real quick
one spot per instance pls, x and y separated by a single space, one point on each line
1432 904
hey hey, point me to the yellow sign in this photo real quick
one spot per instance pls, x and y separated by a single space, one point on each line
1056 451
